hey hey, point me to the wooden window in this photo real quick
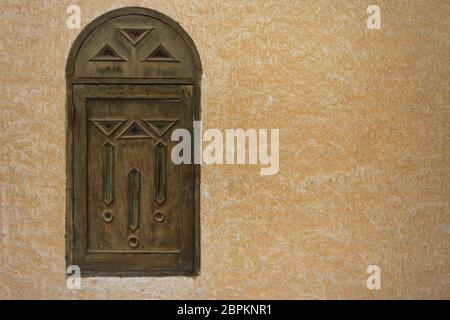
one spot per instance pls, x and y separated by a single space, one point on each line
133 76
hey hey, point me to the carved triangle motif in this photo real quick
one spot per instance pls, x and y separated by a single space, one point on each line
107 53
135 35
160 54
107 126
135 131
161 126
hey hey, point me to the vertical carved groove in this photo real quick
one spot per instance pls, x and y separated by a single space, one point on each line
108 173
134 178
160 172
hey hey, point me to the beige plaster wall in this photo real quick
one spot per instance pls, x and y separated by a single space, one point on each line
364 122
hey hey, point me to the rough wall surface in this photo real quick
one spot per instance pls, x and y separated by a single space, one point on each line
364 176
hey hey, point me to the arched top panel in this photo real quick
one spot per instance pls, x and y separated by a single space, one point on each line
135 43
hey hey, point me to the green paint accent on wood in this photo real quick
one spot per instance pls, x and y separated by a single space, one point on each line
160 172
134 189
108 183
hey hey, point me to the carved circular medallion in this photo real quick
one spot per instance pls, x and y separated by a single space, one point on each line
133 241
159 217
108 216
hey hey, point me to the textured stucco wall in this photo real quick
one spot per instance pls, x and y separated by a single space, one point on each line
364 122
